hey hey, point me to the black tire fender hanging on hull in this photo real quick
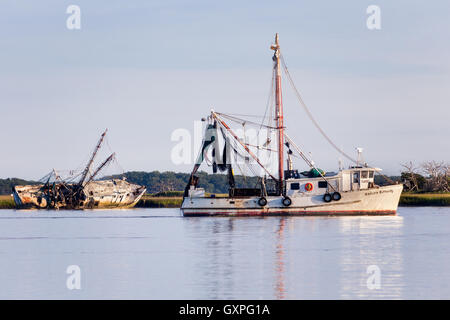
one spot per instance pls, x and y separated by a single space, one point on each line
336 196
287 201
262 201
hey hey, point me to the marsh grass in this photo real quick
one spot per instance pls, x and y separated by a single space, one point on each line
148 201
7 202
425 199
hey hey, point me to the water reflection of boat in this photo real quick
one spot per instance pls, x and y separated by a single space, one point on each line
280 290
362 233
281 191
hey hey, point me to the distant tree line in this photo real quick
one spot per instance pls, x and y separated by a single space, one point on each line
430 176
165 182
158 182
382 180
6 185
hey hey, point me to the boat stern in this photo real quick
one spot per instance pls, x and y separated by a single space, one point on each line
29 196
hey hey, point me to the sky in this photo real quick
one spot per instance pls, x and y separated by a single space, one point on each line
143 69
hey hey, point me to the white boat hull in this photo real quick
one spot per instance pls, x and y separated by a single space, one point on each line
374 201
116 193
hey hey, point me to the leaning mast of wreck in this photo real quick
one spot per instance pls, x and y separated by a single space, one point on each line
100 167
91 160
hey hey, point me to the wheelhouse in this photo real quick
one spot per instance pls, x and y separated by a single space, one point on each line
312 185
354 178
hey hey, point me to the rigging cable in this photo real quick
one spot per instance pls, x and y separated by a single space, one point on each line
316 124
269 100
228 130
116 161
309 162
241 121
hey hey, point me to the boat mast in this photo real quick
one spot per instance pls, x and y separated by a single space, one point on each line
100 167
91 160
278 112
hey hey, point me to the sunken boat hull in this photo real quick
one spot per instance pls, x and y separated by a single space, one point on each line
111 194
87 193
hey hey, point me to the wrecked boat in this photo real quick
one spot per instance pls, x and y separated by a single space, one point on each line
86 193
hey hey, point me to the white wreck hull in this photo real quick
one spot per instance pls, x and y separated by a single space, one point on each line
99 195
374 201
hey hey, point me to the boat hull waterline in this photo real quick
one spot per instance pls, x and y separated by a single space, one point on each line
381 201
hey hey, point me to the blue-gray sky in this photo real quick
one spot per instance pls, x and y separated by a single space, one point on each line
145 68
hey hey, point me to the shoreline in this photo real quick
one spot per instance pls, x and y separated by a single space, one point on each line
148 201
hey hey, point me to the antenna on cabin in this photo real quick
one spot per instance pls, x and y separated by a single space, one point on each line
310 157
289 159
359 158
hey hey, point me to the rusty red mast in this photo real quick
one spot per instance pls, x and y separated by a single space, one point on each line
279 112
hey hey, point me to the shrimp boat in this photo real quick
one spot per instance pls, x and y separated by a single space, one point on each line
87 193
280 190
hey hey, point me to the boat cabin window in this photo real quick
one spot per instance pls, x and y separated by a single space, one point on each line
323 184
355 177
364 174
295 186
371 174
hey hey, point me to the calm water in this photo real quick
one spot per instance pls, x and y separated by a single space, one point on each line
157 254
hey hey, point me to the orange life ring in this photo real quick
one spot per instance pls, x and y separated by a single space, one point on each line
309 186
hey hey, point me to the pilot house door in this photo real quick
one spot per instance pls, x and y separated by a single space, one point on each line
355 180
